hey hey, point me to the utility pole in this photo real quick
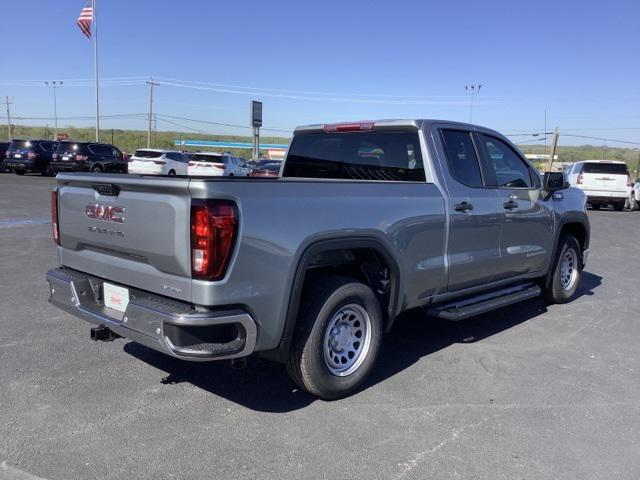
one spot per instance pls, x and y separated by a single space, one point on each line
54 85
151 84
473 90
554 144
7 101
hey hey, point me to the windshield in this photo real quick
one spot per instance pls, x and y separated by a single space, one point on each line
147 154
611 168
378 155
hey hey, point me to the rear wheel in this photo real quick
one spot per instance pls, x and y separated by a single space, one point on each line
619 206
595 206
19 172
96 169
47 171
337 338
567 270
172 173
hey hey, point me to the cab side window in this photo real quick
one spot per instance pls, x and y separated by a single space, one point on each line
462 157
511 171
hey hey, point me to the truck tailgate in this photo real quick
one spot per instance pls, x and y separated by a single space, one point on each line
127 229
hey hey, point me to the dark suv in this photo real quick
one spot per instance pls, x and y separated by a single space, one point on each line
4 146
30 156
88 157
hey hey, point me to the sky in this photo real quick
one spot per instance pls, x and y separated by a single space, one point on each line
318 62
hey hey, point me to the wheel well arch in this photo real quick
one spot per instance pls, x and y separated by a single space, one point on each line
366 259
572 226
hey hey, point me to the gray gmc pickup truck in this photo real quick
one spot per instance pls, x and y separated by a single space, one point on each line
366 221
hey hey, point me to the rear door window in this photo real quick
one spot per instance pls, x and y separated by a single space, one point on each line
198 157
604 167
462 157
101 150
377 155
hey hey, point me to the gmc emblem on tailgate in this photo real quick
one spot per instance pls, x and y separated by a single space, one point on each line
108 213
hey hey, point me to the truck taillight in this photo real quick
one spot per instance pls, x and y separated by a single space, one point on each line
579 181
55 229
629 183
213 234
159 162
54 156
7 154
192 164
81 158
32 155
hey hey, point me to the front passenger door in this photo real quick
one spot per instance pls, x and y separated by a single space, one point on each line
527 232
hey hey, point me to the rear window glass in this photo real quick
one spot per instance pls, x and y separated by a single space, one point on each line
70 147
197 157
147 154
21 144
382 156
612 168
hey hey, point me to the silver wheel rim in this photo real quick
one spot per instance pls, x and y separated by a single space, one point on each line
569 269
347 339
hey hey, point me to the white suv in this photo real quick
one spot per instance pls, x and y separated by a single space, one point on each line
152 161
604 182
217 165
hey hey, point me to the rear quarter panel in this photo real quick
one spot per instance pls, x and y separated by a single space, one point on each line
280 219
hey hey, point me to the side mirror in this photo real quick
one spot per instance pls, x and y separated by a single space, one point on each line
553 181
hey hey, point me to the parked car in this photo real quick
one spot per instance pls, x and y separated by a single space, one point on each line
217 165
312 269
88 157
153 161
634 196
4 146
604 182
271 169
30 156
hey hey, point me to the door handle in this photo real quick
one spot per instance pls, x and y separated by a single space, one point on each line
463 207
511 204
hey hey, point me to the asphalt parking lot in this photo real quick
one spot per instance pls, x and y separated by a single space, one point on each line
531 391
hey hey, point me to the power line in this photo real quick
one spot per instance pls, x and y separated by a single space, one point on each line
601 139
222 124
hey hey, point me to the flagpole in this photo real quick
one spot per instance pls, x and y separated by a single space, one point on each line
95 59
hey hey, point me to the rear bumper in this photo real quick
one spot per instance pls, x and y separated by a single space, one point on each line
163 324
23 164
70 166
606 195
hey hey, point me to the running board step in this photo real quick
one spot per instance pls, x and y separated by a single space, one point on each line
469 307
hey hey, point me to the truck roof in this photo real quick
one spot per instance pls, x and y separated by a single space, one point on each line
386 124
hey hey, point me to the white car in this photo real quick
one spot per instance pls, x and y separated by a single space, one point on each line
217 165
634 196
604 182
152 161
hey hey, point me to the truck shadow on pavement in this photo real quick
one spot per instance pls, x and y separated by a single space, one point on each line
264 385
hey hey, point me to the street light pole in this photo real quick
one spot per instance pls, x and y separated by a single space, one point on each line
473 90
54 85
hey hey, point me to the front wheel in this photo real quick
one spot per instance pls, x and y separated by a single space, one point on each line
337 338
172 173
567 270
96 169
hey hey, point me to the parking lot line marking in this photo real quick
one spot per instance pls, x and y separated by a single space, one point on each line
11 473
24 222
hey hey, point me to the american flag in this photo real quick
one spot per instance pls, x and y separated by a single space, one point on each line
85 19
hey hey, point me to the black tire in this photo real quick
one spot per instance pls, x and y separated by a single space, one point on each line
19 172
619 206
172 173
47 171
557 292
320 302
595 206
96 169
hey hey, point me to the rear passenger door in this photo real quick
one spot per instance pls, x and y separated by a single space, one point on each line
475 211
527 232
